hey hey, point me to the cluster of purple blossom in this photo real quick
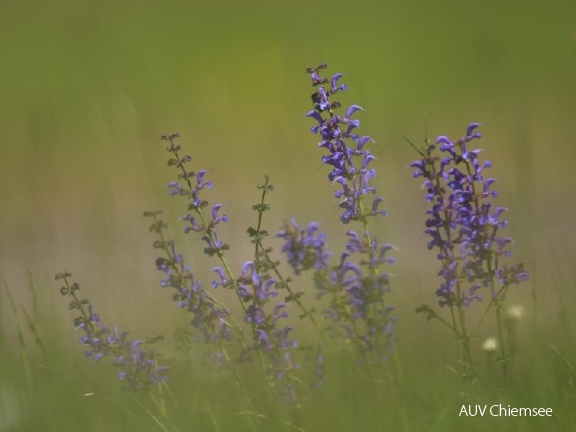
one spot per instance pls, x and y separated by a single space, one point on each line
357 287
304 248
267 318
334 131
211 319
138 369
464 227
255 288
463 223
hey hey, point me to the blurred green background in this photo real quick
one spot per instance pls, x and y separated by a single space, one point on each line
87 88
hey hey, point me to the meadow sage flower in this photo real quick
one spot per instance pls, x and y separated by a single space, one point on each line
139 369
335 130
463 223
304 248
357 287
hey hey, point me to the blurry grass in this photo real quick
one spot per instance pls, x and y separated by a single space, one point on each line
69 392
23 349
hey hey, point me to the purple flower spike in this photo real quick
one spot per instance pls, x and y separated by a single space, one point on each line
304 248
335 130
138 368
462 222
357 288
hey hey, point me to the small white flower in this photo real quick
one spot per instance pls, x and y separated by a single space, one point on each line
515 313
490 345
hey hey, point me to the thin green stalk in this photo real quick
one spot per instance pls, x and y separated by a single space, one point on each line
503 357
212 418
33 319
467 357
151 414
260 250
21 340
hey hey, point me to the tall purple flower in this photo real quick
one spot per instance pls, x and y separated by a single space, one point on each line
463 223
357 287
347 156
190 185
465 226
211 321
